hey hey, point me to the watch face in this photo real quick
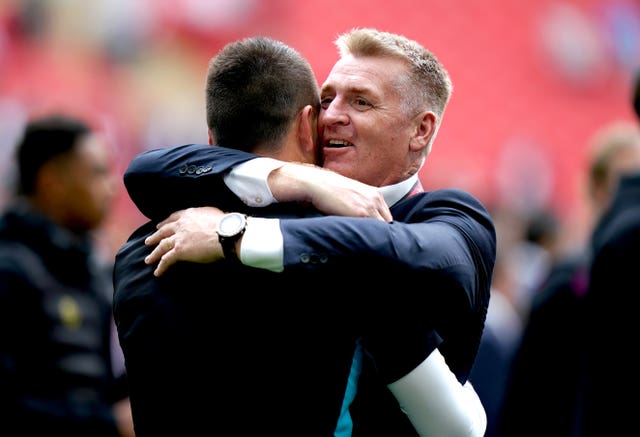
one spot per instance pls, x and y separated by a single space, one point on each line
231 224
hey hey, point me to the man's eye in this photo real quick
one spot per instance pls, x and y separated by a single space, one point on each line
361 102
325 102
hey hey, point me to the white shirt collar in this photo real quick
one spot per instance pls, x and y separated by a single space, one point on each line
393 193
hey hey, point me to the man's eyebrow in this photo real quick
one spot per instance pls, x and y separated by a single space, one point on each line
353 89
356 89
326 88
350 89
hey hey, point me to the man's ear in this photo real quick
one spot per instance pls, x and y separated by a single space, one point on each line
210 136
307 131
425 131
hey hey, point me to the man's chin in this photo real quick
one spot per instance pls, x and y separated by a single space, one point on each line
340 167
336 156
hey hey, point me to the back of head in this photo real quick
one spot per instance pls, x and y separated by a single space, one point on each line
255 89
429 84
45 139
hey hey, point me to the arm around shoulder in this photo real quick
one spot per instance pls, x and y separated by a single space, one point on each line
164 180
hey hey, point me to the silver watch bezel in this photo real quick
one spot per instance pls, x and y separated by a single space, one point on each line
232 224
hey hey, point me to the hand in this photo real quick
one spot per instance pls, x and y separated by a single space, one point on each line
330 192
186 235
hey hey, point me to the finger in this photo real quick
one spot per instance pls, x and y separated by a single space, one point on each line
381 212
156 254
163 232
165 262
172 218
386 214
159 270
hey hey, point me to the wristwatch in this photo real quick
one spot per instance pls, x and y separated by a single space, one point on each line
230 228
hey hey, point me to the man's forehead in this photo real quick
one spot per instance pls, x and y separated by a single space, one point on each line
347 85
363 73
387 89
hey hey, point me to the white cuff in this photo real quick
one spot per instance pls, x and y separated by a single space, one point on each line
248 181
262 244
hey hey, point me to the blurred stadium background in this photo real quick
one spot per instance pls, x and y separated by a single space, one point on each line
533 79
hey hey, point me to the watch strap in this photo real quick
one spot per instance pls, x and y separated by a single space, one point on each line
229 247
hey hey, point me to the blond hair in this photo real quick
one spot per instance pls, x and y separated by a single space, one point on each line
429 84
614 149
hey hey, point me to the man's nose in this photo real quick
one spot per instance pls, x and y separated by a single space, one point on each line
334 113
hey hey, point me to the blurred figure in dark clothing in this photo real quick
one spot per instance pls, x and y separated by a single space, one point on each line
56 326
547 366
611 305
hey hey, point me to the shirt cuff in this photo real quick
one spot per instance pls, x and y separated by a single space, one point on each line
248 181
262 244
435 401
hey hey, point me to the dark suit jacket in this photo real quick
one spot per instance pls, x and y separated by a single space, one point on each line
442 245
548 358
229 349
611 327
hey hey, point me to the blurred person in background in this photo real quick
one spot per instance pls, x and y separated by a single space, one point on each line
58 359
528 245
549 360
611 311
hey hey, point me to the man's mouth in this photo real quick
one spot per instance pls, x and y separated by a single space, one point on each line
337 144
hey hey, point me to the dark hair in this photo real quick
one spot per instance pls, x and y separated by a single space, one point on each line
254 90
44 139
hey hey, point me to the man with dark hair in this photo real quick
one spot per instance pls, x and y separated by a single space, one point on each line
178 345
56 337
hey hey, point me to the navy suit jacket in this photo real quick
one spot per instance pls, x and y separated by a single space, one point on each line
223 349
611 313
440 249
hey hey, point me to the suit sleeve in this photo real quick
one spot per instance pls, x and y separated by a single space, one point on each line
440 252
161 181
431 231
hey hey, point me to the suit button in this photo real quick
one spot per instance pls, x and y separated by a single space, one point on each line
315 259
203 169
